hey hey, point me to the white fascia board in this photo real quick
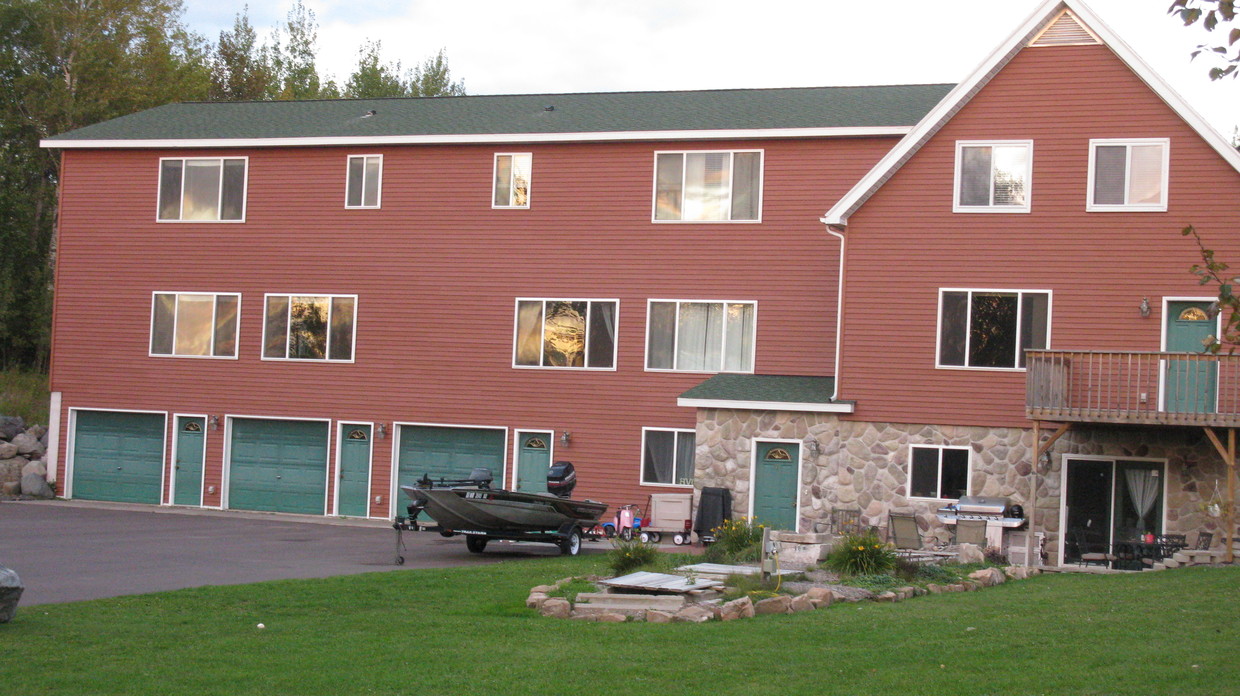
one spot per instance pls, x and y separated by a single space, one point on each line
835 407
496 138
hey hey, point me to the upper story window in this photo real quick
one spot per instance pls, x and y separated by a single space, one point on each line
993 176
1128 175
708 186
198 325
992 328
309 327
511 188
202 189
364 181
566 333
696 336
667 456
936 472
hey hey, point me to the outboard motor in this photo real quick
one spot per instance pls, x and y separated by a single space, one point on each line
561 479
481 477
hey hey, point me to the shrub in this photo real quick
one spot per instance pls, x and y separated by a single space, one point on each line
737 535
861 554
877 583
626 556
995 556
930 572
752 586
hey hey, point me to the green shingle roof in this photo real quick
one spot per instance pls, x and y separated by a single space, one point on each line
768 388
734 109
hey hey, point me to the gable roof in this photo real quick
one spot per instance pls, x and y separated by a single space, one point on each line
1034 27
788 112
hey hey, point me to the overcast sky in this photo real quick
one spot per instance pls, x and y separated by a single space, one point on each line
546 46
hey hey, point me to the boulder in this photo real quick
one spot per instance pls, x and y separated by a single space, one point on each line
988 577
781 604
11 427
34 485
888 597
611 617
822 595
543 589
934 588
556 608
8 450
535 600
37 432
653 616
27 445
695 614
970 553
38 467
802 603
737 609
11 488
10 592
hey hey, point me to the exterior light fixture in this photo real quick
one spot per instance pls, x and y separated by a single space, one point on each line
1145 307
381 432
215 422
566 438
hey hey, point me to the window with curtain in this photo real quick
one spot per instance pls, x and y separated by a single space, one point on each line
708 186
364 181
991 328
938 472
199 325
993 177
202 189
309 327
667 456
698 336
566 334
1128 175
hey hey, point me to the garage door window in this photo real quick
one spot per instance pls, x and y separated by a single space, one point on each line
309 327
194 325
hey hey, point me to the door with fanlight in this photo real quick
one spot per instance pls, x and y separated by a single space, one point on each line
1190 382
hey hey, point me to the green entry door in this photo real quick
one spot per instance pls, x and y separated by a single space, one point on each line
1191 385
187 470
118 456
533 460
278 466
775 484
354 477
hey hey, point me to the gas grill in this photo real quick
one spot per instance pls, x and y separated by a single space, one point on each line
998 513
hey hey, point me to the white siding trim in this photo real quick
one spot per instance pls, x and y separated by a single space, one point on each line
837 407
53 437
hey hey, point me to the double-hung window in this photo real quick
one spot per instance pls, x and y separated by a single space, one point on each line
202 189
511 187
993 176
708 186
667 456
566 333
309 327
364 181
1128 175
992 328
198 325
697 336
941 473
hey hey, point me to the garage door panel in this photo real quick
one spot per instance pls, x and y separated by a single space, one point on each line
118 456
450 453
278 466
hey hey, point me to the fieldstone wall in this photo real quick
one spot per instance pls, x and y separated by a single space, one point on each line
863 465
23 451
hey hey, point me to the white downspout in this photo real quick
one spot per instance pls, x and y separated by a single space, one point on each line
839 312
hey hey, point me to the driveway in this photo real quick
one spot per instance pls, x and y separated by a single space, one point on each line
67 551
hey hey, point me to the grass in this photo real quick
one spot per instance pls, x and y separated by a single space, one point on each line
24 394
466 631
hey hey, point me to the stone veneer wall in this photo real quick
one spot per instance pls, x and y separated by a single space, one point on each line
862 465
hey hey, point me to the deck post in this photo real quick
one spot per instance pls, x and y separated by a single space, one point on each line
1228 454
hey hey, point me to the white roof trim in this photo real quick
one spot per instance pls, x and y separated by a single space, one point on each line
958 97
730 134
835 407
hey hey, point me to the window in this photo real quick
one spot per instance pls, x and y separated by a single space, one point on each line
667 456
708 186
993 177
309 327
566 333
992 328
1128 175
512 181
364 181
938 472
199 325
697 336
202 189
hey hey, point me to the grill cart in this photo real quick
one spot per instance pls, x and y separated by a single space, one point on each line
670 513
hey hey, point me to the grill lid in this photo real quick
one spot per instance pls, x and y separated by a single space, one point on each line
982 505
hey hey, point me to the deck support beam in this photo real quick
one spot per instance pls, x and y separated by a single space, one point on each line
1228 454
1039 449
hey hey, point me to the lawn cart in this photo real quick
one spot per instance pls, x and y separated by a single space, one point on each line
670 513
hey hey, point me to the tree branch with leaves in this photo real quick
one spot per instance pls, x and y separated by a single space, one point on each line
1213 272
1212 15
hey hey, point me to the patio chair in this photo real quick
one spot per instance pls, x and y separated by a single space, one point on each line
970 532
1090 552
904 535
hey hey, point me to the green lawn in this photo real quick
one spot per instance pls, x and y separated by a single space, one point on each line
465 631
24 394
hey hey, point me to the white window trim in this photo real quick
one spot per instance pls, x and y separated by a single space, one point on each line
991 208
1092 207
529 195
938 326
654 187
615 343
262 348
939 474
219 204
176 318
641 459
753 338
378 183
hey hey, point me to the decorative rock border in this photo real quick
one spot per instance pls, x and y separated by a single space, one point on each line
540 600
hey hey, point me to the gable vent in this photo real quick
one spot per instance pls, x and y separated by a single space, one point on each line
1065 30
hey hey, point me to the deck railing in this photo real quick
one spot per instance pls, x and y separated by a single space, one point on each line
1152 388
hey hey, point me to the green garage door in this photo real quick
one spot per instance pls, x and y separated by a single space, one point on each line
278 466
118 456
449 452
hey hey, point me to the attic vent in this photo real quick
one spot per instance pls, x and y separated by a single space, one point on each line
1065 30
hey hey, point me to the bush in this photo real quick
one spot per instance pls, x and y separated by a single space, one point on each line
861 554
737 535
930 572
626 556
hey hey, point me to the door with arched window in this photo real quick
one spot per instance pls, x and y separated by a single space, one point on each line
776 466
1191 383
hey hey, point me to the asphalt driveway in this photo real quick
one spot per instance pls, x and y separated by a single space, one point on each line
66 551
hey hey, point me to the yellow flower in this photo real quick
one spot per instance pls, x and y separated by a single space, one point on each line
861 548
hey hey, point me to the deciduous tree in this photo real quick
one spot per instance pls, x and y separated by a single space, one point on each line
1213 14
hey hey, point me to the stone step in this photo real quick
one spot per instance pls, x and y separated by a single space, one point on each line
1162 565
600 602
1173 562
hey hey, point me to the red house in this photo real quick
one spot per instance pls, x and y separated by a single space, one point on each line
296 306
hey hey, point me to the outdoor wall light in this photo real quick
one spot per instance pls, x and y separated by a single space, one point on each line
1145 307
215 422
381 432
566 438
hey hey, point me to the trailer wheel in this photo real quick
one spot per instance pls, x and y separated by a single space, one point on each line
475 544
680 540
646 537
571 544
400 560
656 537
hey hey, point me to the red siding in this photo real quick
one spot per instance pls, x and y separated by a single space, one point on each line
436 271
906 243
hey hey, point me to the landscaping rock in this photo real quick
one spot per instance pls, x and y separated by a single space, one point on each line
543 589
906 592
27 445
10 592
11 469
821 597
988 577
781 604
38 467
37 432
737 609
11 427
888 597
8 450
934 588
802 603
695 614
535 600
556 608
844 593
970 553
11 488
611 617
653 616
34 485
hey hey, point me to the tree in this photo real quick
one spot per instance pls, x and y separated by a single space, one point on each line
241 69
373 79
1213 14
295 62
433 79
1213 272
